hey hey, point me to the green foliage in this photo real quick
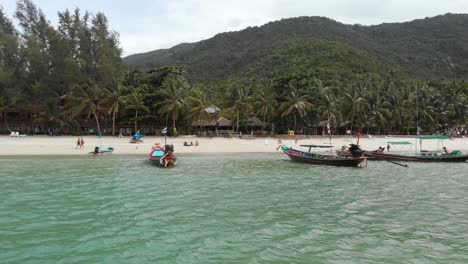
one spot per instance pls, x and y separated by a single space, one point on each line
293 73
432 48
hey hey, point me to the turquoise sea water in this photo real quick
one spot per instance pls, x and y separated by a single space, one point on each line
230 209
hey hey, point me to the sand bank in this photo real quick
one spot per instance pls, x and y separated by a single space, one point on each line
65 145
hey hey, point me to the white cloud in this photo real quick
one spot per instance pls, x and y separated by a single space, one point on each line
147 25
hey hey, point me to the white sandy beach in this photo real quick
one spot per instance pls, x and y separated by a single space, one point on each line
65 145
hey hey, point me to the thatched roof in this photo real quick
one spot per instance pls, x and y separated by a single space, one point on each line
224 122
254 122
205 123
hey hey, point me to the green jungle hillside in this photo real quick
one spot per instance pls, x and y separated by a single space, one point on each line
431 48
295 74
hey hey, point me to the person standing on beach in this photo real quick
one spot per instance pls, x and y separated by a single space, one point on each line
388 147
78 143
82 143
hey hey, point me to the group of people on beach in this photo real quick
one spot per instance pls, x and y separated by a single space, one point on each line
186 144
79 143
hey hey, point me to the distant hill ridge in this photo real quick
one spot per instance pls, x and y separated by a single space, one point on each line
431 48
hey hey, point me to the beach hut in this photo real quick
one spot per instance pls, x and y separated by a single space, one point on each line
336 129
254 124
219 126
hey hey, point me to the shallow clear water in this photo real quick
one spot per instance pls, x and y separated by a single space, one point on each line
230 209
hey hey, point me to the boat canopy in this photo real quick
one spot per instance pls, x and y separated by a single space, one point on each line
316 146
399 142
433 137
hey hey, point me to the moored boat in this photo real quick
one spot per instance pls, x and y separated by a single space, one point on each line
418 156
315 158
423 156
136 139
102 151
163 156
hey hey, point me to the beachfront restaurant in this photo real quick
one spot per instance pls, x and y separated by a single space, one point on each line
214 127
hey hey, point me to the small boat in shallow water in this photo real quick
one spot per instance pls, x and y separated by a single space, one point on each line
423 156
418 156
102 151
163 156
319 159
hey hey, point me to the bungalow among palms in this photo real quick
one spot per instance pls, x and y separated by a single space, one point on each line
215 127
253 125
335 129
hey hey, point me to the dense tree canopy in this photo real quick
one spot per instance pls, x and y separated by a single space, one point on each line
71 76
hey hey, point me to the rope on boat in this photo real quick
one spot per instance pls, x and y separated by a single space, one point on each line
399 164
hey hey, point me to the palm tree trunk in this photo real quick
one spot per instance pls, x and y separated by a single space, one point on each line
136 120
264 120
174 121
113 124
1 117
294 121
237 127
6 121
97 122
201 127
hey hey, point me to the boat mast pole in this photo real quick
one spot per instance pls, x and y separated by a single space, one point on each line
165 138
417 120
329 134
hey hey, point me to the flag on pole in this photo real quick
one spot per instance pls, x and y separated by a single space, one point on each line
164 130
328 128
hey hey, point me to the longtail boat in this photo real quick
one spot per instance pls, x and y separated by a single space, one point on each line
423 156
163 156
320 159
418 156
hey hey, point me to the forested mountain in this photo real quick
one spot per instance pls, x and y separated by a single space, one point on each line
294 74
431 48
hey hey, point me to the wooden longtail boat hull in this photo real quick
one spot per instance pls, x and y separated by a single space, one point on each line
396 157
312 158
157 155
157 161
102 152
348 155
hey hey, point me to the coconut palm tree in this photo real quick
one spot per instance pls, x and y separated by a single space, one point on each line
136 101
329 106
173 92
242 105
86 99
454 103
198 102
295 103
353 102
397 107
265 103
114 99
374 113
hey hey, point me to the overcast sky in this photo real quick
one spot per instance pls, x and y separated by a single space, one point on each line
146 25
